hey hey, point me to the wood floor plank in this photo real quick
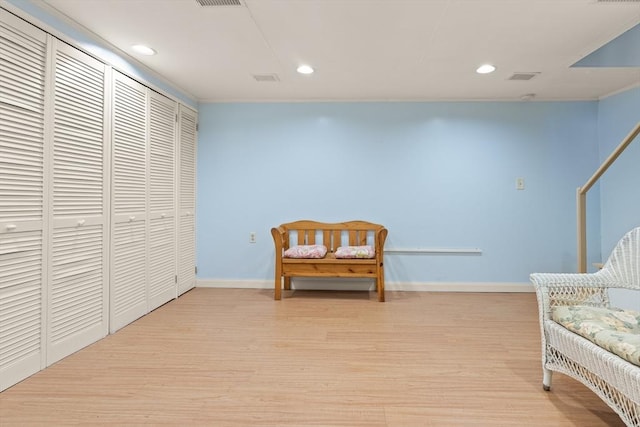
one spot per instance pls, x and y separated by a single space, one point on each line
236 357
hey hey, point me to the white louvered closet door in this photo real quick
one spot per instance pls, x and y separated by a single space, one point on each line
128 275
187 199
77 293
162 200
22 87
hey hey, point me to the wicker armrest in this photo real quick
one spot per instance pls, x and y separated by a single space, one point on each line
572 280
555 289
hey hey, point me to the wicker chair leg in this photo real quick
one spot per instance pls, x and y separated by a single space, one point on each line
546 379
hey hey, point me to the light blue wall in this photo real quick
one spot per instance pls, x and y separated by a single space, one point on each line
623 51
617 116
437 175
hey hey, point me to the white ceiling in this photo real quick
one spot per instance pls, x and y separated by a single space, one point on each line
369 49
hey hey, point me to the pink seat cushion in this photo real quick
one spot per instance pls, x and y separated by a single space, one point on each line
355 252
306 251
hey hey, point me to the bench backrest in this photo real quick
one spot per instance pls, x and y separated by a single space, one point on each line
332 235
623 265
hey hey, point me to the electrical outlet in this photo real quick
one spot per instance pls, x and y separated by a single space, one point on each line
519 183
252 237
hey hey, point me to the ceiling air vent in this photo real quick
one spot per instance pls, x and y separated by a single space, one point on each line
523 76
266 78
219 2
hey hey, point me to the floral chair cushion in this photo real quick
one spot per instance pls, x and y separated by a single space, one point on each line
355 252
306 251
613 329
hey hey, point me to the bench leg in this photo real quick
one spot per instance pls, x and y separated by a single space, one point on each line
278 290
380 291
380 284
287 283
278 283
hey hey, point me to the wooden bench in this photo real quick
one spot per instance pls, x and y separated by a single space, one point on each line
351 233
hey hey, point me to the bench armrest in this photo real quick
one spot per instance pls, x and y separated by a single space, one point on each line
380 237
278 234
554 289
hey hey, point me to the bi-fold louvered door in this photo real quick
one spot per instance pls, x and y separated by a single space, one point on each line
143 253
97 199
129 202
162 199
186 199
77 292
22 198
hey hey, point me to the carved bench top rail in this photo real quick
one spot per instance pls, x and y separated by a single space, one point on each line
332 235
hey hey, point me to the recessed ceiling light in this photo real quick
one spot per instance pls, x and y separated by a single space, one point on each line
305 69
485 69
143 50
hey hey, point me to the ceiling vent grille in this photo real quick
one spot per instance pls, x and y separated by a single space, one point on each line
266 78
208 3
522 76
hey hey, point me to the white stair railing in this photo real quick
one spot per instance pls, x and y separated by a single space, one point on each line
582 197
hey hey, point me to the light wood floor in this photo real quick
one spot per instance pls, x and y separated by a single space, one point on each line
236 357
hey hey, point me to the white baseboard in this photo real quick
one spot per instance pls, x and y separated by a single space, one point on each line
367 285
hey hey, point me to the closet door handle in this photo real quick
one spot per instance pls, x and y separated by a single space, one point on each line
131 218
11 227
80 222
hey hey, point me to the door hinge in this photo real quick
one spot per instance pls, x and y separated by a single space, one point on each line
196 269
197 127
176 279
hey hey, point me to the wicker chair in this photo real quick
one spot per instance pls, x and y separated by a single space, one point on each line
615 380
